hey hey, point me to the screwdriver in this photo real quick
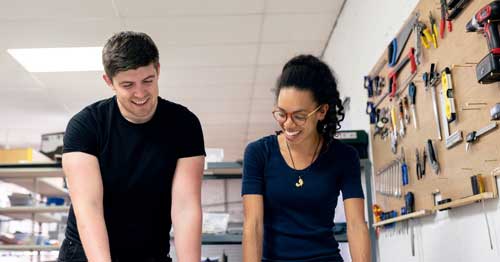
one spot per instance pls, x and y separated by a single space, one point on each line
406 110
412 92
401 119
404 168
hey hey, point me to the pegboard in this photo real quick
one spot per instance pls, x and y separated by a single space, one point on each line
460 51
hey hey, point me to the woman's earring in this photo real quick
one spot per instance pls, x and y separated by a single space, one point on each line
324 128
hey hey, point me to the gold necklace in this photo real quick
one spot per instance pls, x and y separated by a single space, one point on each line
300 182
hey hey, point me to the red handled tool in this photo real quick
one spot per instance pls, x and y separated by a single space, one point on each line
393 75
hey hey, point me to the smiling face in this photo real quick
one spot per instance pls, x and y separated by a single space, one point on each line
136 92
299 105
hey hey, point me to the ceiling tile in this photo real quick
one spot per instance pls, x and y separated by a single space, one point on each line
220 55
297 27
279 54
57 33
74 81
54 9
198 30
13 75
150 8
225 118
263 105
208 93
29 101
301 6
216 106
261 91
196 76
268 74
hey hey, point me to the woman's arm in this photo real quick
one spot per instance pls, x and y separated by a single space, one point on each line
253 206
357 231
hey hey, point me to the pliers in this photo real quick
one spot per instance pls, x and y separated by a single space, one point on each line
434 30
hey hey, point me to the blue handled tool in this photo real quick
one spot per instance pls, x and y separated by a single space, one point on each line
397 45
404 168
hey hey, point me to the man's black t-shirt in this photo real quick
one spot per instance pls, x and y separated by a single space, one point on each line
137 164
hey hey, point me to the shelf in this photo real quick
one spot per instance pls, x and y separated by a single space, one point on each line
33 209
466 200
29 171
223 173
416 214
53 170
50 186
42 214
28 248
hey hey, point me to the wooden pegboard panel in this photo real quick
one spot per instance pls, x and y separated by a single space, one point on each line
458 51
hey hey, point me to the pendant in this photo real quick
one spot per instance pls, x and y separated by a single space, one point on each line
300 182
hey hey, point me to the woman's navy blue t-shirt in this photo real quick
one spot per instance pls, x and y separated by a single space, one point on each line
298 222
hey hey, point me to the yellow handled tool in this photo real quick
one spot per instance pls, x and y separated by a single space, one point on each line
447 88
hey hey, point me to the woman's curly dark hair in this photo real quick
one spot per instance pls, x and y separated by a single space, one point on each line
307 72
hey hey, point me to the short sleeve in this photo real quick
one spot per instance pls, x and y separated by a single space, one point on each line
351 176
253 169
190 136
81 134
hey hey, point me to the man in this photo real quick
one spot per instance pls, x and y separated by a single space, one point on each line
134 164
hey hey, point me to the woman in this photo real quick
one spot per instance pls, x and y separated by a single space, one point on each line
291 180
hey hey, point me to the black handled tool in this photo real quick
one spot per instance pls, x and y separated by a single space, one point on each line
431 152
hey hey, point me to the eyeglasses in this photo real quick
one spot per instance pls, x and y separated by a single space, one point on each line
298 118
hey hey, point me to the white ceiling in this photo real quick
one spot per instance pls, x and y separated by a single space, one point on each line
220 58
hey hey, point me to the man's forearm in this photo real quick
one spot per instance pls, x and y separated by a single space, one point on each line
93 233
359 242
187 233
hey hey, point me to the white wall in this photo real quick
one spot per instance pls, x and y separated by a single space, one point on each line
362 33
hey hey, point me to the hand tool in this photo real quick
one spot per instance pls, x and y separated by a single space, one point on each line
402 127
486 21
379 82
431 152
404 168
495 112
474 135
424 161
397 179
392 86
406 108
477 184
409 202
418 164
393 75
370 110
448 110
444 15
432 81
456 7
405 84
434 31
424 33
449 102
442 202
368 84
412 93
394 136
418 41
398 43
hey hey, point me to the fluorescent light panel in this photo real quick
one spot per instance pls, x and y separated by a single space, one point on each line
59 59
